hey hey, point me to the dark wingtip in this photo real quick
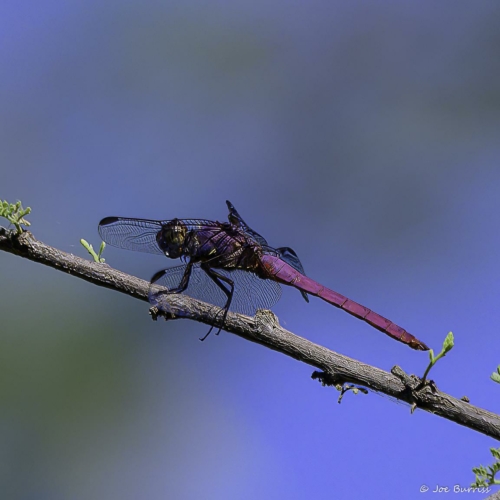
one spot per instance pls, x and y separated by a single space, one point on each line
108 220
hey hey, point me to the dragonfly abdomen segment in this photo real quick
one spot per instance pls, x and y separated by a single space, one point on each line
286 274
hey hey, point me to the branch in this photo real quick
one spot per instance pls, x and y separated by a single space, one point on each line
263 329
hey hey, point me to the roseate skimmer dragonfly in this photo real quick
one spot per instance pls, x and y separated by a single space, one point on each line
230 265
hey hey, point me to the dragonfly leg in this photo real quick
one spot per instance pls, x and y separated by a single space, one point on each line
218 278
183 284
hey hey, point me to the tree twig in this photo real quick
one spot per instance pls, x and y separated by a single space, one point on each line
263 329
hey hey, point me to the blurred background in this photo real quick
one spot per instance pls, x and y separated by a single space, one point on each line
364 135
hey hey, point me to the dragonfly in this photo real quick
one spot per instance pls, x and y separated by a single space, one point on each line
231 266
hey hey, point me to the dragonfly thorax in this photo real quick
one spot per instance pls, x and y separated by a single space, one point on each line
171 239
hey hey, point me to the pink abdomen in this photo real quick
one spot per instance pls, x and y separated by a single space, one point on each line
282 272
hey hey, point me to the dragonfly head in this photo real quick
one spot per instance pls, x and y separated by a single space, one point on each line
171 238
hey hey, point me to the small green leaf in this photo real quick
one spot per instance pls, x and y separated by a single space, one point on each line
495 376
86 245
14 213
485 476
101 249
448 343
91 251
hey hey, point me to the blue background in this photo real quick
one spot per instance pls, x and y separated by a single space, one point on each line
365 135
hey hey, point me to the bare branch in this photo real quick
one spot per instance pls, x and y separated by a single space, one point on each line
263 329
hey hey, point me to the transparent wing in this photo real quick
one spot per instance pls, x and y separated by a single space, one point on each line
285 253
236 219
131 234
250 291
140 234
